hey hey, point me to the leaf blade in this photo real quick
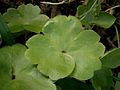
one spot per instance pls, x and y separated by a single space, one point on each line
65 36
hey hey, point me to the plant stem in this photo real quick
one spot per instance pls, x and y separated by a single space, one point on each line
117 35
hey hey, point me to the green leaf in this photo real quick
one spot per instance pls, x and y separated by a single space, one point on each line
26 76
91 14
66 43
30 80
111 59
117 85
87 54
104 20
17 59
90 6
5 67
26 17
102 79
5 33
87 12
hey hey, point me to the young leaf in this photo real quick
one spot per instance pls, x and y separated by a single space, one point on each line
102 79
26 76
111 59
104 20
65 48
87 12
90 14
26 17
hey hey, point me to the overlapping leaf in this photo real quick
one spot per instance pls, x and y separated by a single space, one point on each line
65 49
5 68
30 80
26 17
26 76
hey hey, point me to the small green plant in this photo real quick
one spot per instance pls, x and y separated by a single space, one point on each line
64 50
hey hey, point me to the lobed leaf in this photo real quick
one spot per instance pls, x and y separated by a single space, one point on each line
30 79
65 49
25 17
17 73
87 54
